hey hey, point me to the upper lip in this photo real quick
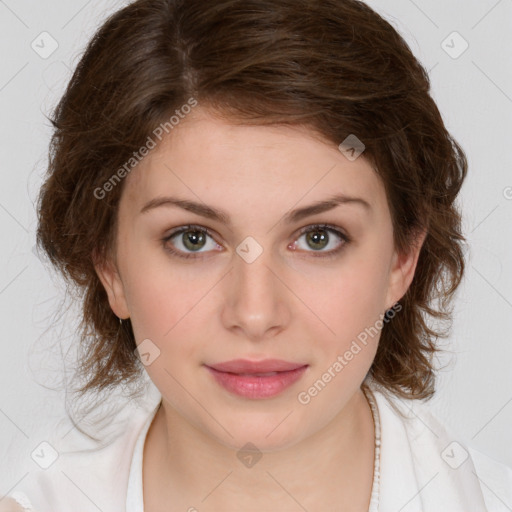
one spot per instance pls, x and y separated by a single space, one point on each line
246 366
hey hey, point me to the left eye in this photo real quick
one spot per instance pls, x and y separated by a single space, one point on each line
318 238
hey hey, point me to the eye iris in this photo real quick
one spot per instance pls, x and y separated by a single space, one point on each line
195 238
315 241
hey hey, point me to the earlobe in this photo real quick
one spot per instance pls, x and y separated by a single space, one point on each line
402 271
111 281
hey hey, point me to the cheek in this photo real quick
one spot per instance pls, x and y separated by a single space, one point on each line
160 295
164 313
165 308
170 309
354 296
351 304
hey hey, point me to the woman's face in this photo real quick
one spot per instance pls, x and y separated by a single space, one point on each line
262 283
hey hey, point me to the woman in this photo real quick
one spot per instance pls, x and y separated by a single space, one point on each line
294 146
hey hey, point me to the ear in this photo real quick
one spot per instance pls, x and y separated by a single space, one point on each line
402 270
111 280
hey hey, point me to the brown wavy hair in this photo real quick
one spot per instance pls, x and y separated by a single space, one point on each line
335 66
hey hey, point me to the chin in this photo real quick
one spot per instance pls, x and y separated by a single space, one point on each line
268 434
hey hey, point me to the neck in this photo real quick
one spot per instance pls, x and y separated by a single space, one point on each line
330 469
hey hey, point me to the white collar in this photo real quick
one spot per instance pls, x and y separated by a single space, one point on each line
134 497
420 469
418 462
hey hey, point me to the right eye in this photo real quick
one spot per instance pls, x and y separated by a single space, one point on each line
189 238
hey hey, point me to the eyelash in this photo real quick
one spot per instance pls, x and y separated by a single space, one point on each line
315 227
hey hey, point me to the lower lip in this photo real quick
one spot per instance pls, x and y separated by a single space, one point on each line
257 387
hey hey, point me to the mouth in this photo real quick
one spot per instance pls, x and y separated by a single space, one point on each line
256 379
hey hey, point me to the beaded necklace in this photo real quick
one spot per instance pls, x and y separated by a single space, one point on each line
374 498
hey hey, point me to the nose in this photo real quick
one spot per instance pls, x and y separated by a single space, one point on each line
256 302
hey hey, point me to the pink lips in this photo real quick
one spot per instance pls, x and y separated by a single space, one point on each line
257 379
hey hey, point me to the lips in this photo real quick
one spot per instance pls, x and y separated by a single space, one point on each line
256 379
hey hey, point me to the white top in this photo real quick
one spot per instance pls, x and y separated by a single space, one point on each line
134 500
423 468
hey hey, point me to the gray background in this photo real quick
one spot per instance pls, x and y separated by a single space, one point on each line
474 93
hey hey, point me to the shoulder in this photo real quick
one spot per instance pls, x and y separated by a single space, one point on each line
9 504
436 452
77 473
495 479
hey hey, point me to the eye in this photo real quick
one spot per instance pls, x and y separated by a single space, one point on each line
189 238
187 241
319 237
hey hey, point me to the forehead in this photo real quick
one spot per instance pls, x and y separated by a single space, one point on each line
212 159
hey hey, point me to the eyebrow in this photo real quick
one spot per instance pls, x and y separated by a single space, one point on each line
221 216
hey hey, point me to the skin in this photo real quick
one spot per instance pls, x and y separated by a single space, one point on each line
290 303
9 505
